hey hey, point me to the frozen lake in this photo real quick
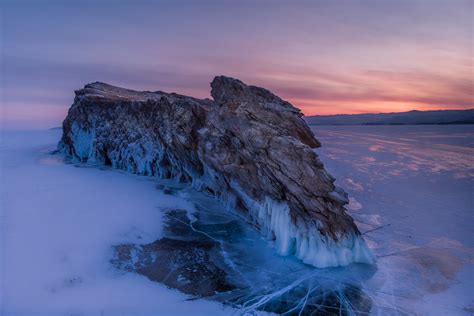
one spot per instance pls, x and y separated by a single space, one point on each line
417 184
411 190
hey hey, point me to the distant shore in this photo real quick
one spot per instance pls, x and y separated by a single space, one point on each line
441 117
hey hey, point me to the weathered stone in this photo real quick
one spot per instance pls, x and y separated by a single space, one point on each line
248 147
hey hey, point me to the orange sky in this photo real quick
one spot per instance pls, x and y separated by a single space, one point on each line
325 57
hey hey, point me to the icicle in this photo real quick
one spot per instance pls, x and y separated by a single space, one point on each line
291 237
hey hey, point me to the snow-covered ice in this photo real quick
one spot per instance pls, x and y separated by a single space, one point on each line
410 191
415 186
58 225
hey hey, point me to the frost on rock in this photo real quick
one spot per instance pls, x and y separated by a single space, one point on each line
305 243
247 147
83 142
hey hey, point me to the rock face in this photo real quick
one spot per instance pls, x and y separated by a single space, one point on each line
247 147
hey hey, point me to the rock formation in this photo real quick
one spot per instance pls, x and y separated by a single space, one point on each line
247 147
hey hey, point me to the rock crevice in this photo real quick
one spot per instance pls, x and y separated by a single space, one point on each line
248 147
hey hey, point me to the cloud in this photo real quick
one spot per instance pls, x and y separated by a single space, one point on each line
327 58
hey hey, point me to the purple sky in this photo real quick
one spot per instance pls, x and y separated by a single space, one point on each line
325 57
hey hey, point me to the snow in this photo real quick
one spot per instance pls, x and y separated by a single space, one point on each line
58 224
410 190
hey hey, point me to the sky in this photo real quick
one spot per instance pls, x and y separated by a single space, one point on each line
325 57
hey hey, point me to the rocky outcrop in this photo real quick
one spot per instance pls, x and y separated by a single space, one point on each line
247 147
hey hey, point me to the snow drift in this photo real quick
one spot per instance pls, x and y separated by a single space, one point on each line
247 147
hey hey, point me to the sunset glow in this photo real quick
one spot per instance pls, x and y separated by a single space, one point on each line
324 57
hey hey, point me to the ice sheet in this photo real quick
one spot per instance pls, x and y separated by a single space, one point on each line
58 225
410 191
415 186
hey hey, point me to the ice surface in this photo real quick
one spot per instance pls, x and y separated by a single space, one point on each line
410 191
258 279
58 225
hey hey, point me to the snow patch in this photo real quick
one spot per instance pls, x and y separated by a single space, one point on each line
57 228
354 205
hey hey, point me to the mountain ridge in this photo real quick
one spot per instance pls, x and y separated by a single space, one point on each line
413 117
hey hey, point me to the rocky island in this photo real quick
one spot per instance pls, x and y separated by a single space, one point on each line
247 147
